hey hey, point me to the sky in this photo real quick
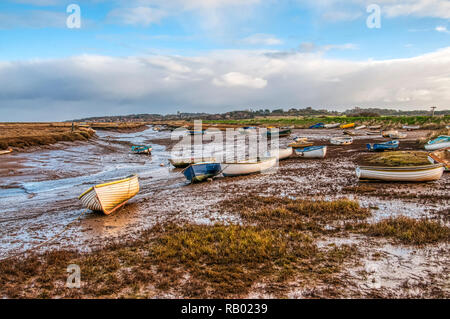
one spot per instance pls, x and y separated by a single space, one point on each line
164 56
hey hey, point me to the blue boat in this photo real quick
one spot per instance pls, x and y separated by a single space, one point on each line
141 149
201 171
318 125
193 132
391 145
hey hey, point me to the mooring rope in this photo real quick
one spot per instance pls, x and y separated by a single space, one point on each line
48 240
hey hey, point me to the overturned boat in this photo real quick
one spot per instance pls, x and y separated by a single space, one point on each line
332 125
200 172
391 145
349 125
185 162
312 152
109 197
426 173
248 167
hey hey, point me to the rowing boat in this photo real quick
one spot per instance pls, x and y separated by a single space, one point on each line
281 153
185 162
200 172
193 132
333 125
388 133
411 127
360 127
341 140
301 144
426 173
374 127
248 167
441 142
312 152
441 156
318 125
141 149
9 150
349 125
110 196
391 145
281 133
397 135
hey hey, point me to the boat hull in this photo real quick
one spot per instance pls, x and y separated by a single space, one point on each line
426 173
332 125
282 153
6 151
109 197
247 168
437 146
442 156
200 172
341 141
185 162
350 125
383 146
312 152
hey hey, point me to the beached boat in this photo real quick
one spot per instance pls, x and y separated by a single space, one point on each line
347 132
9 150
282 153
360 127
333 125
201 171
141 149
349 125
318 125
391 145
373 133
341 140
312 152
411 127
397 135
281 133
248 167
426 173
185 162
247 129
374 127
193 132
109 197
388 133
301 144
441 156
441 142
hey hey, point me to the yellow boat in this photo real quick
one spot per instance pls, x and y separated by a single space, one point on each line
110 196
348 125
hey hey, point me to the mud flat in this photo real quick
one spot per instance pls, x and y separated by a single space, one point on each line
309 229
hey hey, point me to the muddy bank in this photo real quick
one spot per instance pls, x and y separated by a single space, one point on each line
39 199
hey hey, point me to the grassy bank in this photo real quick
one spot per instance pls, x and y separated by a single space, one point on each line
21 135
304 122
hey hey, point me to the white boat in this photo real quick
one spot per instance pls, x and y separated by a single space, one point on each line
397 135
360 127
426 173
341 140
282 153
110 196
334 125
388 133
374 127
411 127
373 133
9 150
312 152
248 167
438 143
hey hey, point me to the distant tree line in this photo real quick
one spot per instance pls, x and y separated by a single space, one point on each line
250 113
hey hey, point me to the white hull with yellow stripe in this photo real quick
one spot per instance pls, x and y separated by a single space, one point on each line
425 173
109 197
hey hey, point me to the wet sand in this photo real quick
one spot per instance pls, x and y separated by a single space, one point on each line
39 190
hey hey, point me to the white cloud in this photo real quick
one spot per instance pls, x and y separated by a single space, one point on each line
442 29
235 79
143 16
216 82
261 39
420 8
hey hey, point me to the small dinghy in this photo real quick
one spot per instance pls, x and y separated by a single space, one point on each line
349 125
301 144
312 152
248 167
109 197
9 150
441 142
141 149
200 172
391 145
333 125
192 132
441 156
318 125
185 162
373 133
388 133
341 140
281 133
411 127
360 127
282 153
397 135
351 133
427 173
374 127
